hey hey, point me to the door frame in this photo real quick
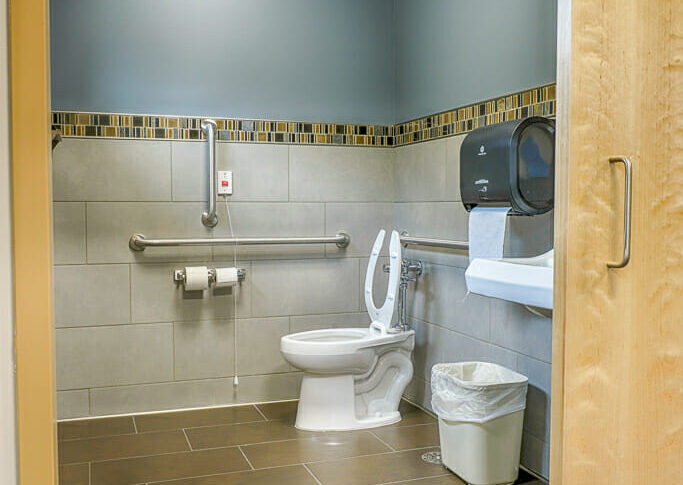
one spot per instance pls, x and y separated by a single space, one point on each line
561 221
32 230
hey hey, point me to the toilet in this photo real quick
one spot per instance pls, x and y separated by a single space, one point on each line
354 377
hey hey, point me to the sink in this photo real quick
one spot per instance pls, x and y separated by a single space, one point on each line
528 281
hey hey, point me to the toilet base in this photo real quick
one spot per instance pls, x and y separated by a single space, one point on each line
327 403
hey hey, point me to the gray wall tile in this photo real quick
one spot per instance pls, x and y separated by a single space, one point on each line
516 328
536 454
441 220
419 392
196 393
363 222
108 356
338 174
116 170
73 404
453 144
258 346
269 387
203 349
421 172
157 298
528 236
87 295
440 296
435 344
304 287
537 418
304 323
69 232
265 219
111 224
429 349
260 172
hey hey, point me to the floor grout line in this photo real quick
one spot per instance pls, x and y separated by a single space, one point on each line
187 439
252 444
312 474
175 410
382 441
245 457
260 412
416 479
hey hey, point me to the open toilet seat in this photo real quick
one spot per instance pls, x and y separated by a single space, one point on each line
381 317
354 377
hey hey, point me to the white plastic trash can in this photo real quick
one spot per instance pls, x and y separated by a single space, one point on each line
481 413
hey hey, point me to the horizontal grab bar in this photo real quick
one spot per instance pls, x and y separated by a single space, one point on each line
138 242
437 243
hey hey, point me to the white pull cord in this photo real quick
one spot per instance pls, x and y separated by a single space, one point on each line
235 381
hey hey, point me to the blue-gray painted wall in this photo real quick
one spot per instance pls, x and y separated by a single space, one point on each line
365 61
450 53
320 60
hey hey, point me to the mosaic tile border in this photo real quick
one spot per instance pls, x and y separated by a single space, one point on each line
104 125
538 101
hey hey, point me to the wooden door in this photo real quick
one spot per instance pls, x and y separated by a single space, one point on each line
617 370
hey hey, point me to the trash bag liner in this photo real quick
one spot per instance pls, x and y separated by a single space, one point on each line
476 392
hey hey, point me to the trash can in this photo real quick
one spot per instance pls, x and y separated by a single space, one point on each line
481 412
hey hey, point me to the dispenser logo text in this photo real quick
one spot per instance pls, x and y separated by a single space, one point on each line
482 151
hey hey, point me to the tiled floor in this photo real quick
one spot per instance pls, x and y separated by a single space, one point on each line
247 445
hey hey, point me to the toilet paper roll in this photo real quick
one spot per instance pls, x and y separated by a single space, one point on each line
226 277
196 278
487 232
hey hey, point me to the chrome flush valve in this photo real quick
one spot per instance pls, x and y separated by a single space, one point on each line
410 270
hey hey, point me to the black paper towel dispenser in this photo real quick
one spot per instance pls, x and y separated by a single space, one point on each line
510 164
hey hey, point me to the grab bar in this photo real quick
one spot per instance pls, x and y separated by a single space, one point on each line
437 243
138 242
209 127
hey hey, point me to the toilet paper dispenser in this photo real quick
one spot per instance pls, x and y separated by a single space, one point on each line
510 164
179 275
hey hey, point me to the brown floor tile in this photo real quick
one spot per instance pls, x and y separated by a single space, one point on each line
449 479
74 474
91 428
167 467
279 410
197 417
411 415
409 437
242 434
324 446
123 446
368 470
288 475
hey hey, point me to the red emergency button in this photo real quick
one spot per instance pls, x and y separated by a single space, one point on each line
225 183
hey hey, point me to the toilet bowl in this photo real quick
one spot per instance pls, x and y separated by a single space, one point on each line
354 377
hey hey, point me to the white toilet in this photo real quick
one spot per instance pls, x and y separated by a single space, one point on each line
354 377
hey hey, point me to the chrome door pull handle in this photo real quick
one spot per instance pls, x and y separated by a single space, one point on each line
627 212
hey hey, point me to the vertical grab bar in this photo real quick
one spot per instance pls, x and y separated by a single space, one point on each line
209 217
626 257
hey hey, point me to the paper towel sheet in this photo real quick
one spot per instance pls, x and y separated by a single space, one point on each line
487 232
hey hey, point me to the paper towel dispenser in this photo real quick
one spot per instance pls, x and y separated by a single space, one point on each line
510 164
